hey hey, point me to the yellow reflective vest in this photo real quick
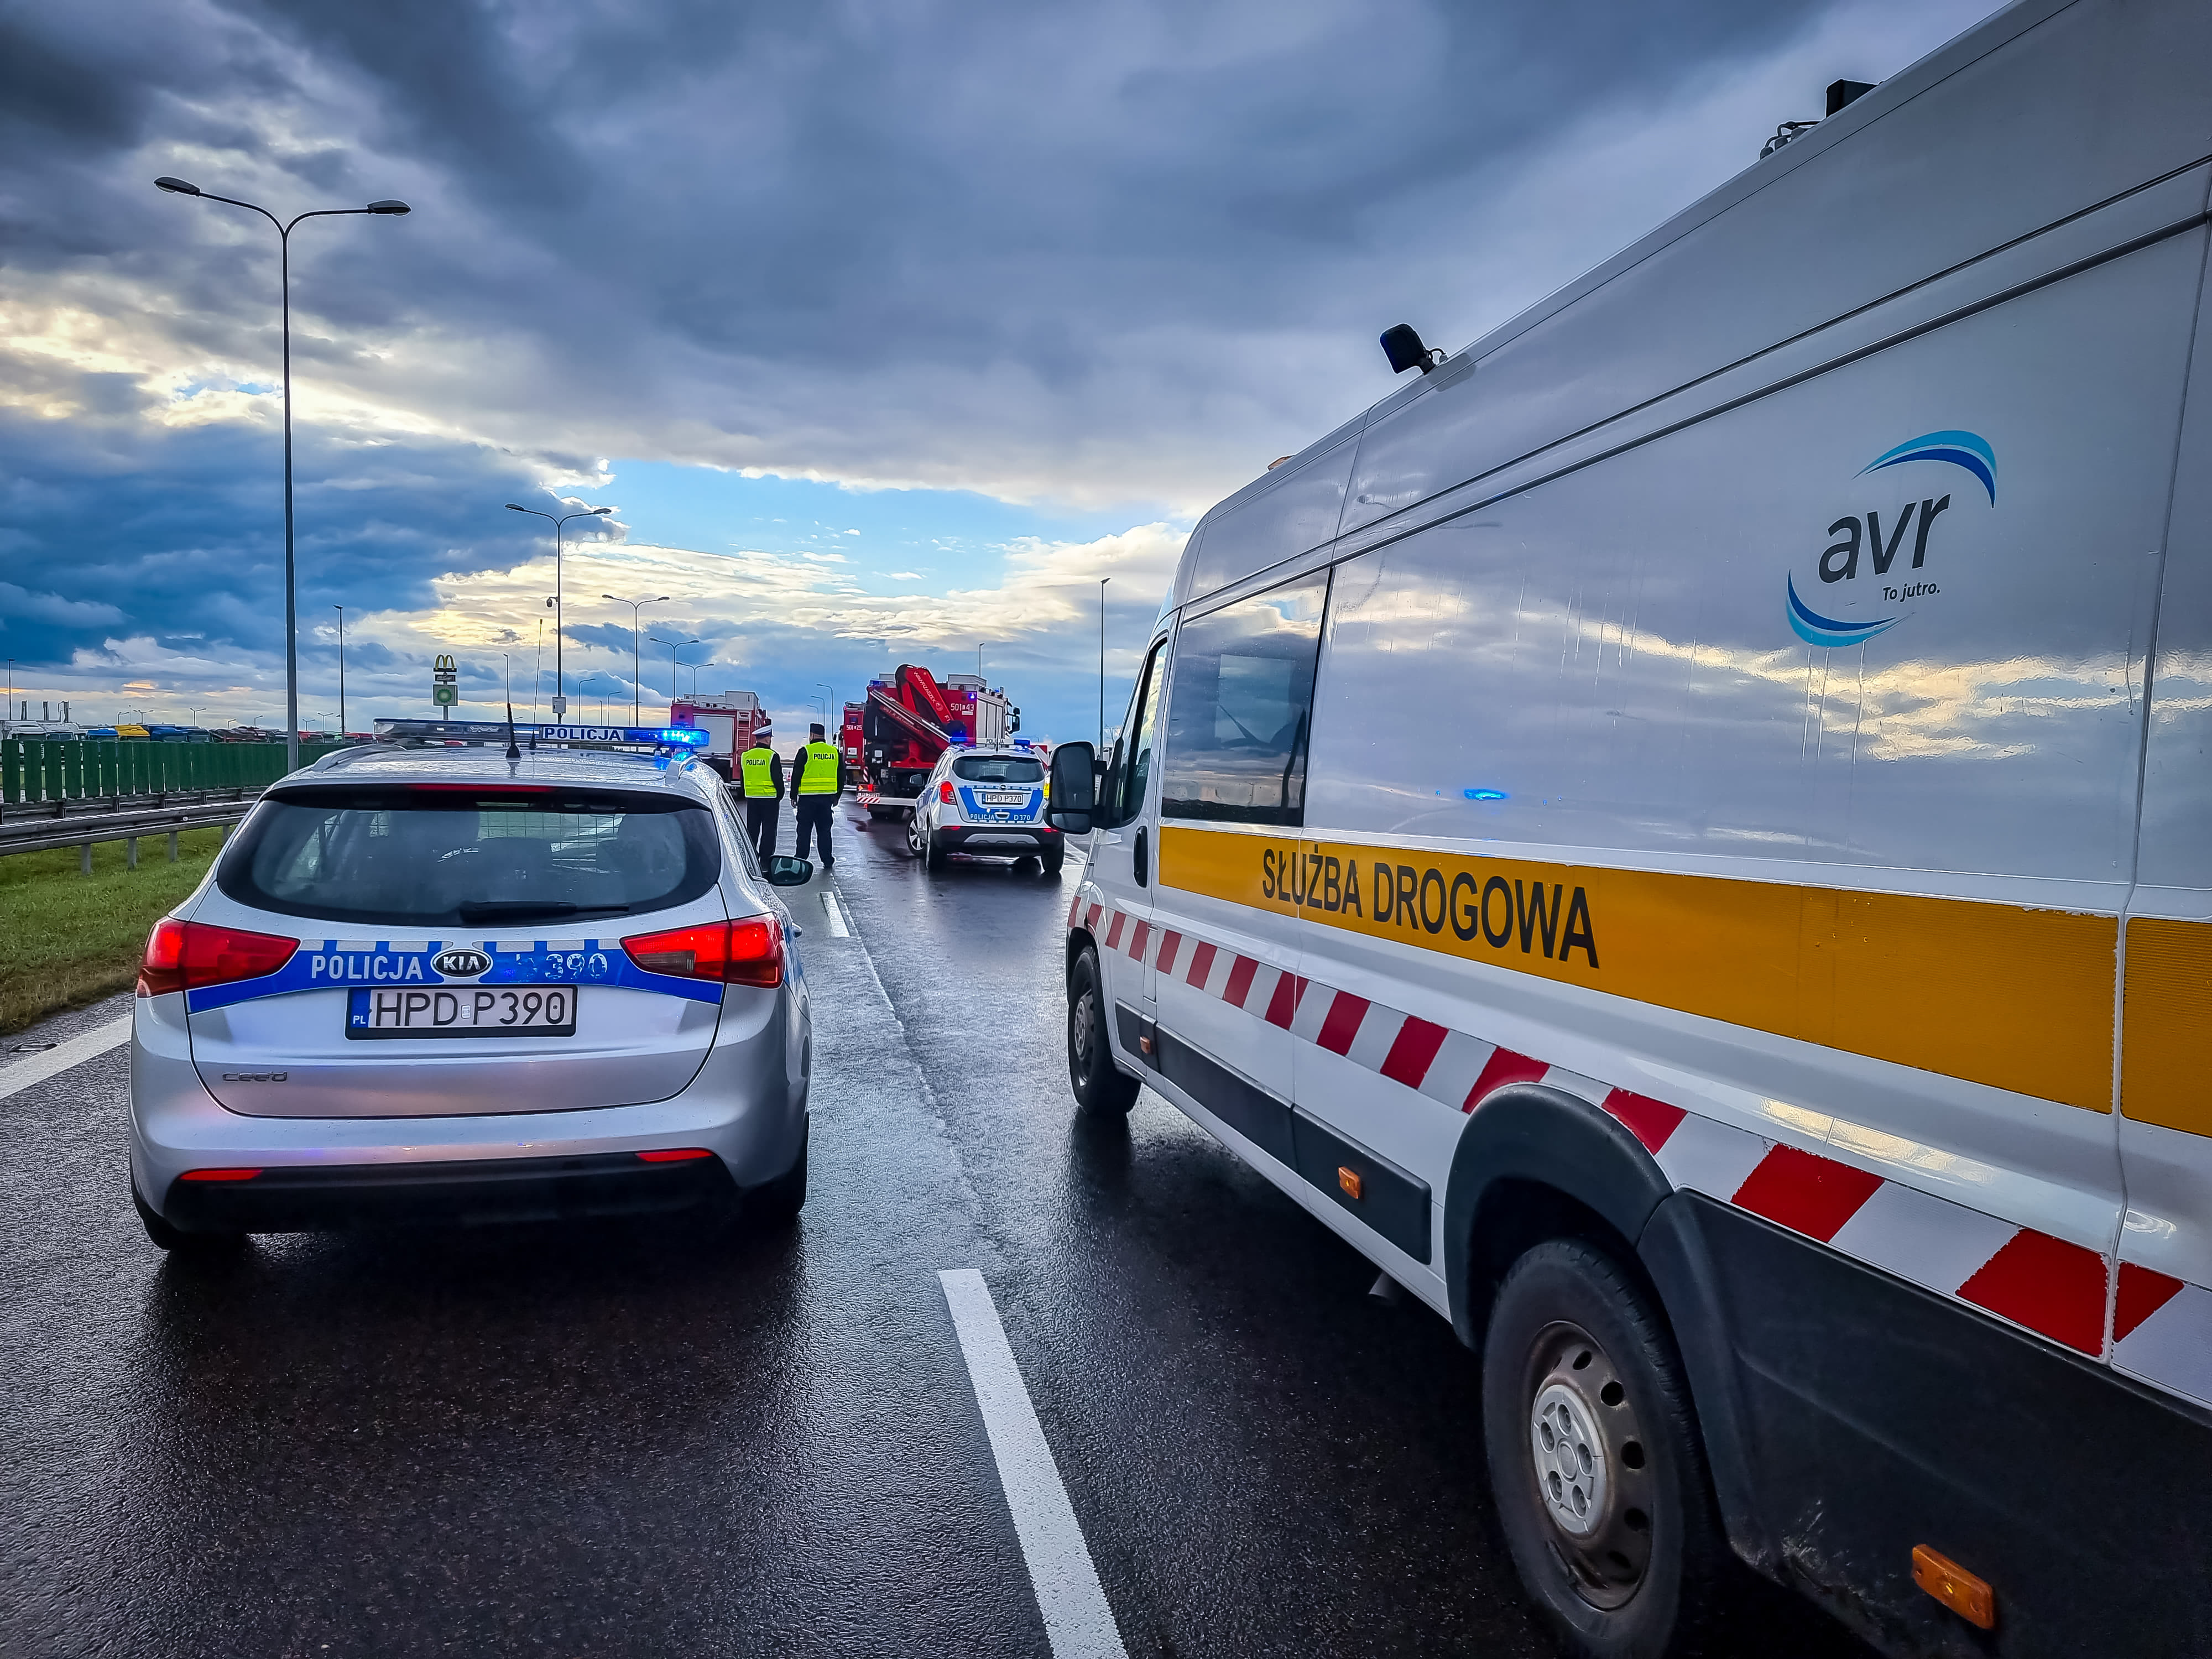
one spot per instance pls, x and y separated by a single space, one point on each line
817 773
755 767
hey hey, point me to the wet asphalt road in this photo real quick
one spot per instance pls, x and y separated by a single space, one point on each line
647 1440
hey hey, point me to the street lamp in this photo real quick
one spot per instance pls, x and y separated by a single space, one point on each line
637 690
674 646
382 209
560 681
1103 580
827 703
341 719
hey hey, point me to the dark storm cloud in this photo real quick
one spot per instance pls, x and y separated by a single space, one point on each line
177 537
1117 254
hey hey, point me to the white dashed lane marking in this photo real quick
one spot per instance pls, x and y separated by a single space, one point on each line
23 1074
837 928
1077 1620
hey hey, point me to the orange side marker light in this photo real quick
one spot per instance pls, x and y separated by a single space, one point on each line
1970 1597
1349 1180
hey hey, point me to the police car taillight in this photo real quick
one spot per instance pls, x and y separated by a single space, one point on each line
749 952
944 791
181 956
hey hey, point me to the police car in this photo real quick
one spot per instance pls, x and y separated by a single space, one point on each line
985 800
444 985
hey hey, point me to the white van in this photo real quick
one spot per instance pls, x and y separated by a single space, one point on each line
1685 834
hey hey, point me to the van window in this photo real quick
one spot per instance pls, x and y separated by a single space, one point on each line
1132 773
447 856
1240 707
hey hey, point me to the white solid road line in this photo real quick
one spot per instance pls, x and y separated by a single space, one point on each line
21 1074
1077 1620
837 928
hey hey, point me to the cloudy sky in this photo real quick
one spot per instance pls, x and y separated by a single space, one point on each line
887 327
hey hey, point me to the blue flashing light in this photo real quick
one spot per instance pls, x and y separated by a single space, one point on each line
684 736
1485 794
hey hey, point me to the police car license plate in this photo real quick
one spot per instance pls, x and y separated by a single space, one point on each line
463 1011
1006 798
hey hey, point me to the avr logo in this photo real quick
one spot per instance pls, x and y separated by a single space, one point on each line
461 964
1876 564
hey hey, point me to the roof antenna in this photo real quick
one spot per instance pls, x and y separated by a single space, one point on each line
513 753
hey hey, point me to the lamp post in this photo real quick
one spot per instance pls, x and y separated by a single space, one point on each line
1103 580
636 667
383 210
560 680
674 646
341 719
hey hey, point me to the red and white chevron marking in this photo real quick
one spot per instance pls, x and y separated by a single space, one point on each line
2058 1289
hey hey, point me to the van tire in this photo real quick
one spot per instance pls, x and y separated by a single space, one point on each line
1571 1327
1102 1088
1050 862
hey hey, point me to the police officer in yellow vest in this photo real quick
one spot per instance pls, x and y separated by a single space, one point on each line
760 770
818 774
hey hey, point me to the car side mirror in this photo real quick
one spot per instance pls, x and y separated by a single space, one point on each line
1074 795
789 872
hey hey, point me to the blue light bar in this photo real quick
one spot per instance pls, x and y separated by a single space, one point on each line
686 736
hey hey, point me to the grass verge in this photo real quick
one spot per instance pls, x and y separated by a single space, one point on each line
67 939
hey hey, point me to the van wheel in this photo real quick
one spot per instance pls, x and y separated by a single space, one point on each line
1595 1459
1051 861
1102 1088
176 1239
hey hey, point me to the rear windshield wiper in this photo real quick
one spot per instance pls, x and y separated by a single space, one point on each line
516 909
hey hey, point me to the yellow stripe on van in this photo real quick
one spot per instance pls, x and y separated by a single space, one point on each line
2166 1033
2016 997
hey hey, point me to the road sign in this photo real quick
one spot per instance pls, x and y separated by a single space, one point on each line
445 683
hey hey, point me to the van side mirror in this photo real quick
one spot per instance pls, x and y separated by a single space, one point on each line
789 872
1074 794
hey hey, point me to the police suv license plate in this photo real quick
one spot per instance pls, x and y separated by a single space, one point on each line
1006 798
462 1010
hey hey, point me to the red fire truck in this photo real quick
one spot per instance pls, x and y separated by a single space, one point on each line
910 719
849 737
733 722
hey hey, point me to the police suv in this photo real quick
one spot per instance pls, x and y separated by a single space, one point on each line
985 800
439 985
1761 999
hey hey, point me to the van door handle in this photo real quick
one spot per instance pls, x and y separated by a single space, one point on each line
1137 859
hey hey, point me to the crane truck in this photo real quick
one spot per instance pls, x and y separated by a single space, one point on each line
910 719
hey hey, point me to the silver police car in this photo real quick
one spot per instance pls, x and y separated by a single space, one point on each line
985 800
439 985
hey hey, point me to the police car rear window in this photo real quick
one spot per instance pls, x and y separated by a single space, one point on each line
999 768
456 855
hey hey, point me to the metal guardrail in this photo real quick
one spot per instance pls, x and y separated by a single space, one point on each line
38 772
54 825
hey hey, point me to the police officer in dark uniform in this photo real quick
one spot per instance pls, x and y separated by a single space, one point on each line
818 774
760 773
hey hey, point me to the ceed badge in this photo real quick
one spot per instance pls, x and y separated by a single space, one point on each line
461 964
